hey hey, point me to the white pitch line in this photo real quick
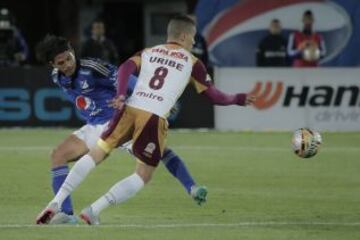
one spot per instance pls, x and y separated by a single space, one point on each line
192 225
200 148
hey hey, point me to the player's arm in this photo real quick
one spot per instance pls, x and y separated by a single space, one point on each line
291 49
202 83
128 68
131 84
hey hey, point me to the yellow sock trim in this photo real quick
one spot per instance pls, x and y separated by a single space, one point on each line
139 161
104 146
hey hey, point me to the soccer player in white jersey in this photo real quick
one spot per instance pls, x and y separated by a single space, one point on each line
89 84
164 71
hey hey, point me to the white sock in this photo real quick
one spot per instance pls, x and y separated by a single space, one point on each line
76 175
120 192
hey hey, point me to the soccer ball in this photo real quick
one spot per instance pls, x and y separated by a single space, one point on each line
306 142
311 54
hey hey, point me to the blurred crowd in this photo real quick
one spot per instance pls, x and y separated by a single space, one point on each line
14 50
13 47
303 48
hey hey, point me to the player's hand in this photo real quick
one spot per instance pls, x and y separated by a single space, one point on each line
250 99
117 102
303 45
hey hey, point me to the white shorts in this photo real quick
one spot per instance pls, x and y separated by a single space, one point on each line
91 133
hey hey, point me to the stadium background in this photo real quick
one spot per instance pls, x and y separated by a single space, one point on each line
34 101
258 189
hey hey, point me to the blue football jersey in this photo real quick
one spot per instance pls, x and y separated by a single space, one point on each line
90 88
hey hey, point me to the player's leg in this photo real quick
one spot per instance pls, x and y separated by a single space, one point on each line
118 130
72 148
119 193
176 166
178 169
149 140
77 174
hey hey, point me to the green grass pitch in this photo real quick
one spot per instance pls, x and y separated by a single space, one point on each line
258 189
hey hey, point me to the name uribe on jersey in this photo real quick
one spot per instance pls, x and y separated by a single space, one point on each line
165 72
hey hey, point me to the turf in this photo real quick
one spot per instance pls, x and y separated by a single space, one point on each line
258 189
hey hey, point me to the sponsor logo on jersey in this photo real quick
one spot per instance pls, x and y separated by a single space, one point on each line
150 96
84 84
85 87
84 103
96 112
171 53
150 148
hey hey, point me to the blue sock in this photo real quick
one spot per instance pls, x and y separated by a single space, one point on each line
177 168
58 177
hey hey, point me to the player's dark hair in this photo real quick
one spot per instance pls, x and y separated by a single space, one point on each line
50 46
179 24
275 20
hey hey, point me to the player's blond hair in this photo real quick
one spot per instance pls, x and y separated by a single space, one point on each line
180 24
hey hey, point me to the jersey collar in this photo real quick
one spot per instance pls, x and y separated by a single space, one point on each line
175 43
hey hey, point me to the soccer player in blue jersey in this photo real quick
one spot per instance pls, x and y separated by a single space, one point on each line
90 84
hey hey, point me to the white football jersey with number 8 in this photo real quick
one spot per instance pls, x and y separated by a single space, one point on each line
165 72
